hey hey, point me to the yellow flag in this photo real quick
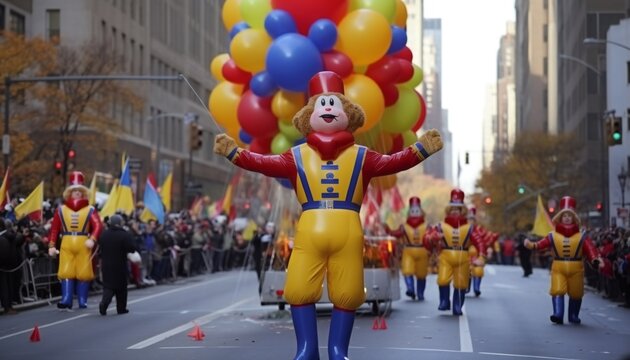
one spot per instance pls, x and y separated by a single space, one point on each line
109 208
227 199
93 190
165 192
147 215
542 223
32 203
4 189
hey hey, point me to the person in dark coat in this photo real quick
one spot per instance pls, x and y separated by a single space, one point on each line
524 255
10 260
116 247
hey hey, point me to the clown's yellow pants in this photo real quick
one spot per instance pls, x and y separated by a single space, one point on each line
567 277
455 266
74 259
415 261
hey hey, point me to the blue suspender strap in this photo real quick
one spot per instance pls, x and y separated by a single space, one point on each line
553 245
63 222
300 169
355 173
579 247
87 220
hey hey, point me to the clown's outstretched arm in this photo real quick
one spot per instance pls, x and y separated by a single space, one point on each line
280 166
538 245
380 165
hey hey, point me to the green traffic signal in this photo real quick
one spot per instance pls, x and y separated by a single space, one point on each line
616 136
521 189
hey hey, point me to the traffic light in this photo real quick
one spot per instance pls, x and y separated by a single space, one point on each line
616 131
196 133
599 206
521 189
58 165
71 154
466 159
487 200
552 210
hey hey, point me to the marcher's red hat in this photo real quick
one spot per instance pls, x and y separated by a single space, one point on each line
75 182
414 201
567 204
76 178
325 82
472 210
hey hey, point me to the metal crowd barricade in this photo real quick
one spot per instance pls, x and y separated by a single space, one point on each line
40 274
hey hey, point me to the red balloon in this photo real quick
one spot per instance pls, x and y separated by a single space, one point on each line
423 114
338 62
255 116
397 144
404 53
406 71
261 145
232 73
306 12
384 71
390 94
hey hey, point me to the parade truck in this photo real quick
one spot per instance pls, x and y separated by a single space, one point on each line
380 272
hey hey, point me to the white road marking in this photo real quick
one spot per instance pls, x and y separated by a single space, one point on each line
419 349
44 326
527 356
490 270
198 321
465 342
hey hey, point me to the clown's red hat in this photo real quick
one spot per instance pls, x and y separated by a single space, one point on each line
325 82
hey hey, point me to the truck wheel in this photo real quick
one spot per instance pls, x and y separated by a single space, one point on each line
281 306
375 308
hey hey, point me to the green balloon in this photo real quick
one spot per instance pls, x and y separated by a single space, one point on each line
289 131
409 138
254 12
403 114
280 144
387 8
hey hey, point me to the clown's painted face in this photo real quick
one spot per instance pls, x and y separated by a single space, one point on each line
328 115
455 211
567 218
76 194
414 211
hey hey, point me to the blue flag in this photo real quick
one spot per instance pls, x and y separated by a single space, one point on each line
152 201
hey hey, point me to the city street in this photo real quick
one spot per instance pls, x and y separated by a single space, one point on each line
509 320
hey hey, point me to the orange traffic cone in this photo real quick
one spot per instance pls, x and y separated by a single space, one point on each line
196 333
383 325
375 325
35 334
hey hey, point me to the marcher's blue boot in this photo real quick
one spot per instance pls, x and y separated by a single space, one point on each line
339 334
574 310
67 291
558 309
457 301
421 284
476 285
305 325
410 292
469 282
445 302
83 288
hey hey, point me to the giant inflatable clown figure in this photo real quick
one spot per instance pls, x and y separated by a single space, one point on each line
330 174
570 246
415 257
78 225
454 237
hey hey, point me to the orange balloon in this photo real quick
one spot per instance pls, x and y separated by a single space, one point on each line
364 36
364 91
249 49
216 66
286 104
223 103
400 19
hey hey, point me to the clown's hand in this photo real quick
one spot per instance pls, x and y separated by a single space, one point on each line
224 145
431 141
52 251
89 243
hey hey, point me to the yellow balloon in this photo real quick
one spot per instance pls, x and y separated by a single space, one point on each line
216 66
249 49
255 11
285 104
231 13
363 91
400 18
387 8
223 103
416 78
364 35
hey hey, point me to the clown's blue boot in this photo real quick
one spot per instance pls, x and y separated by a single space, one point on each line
305 325
67 291
574 310
476 281
421 284
339 334
410 292
558 309
445 302
458 301
83 288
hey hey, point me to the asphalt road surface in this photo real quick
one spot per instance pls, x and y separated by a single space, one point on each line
510 320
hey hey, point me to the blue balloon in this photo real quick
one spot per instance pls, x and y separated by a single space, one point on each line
292 60
323 33
279 22
244 137
262 84
399 39
237 28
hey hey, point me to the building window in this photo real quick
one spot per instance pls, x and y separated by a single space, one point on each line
594 127
544 99
53 21
17 23
545 32
545 66
1 17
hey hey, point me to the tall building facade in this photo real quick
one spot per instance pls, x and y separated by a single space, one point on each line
505 115
415 18
489 133
158 37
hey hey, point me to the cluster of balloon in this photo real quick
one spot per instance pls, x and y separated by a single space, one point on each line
276 46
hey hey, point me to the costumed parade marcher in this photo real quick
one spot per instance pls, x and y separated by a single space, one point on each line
77 224
453 238
116 247
330 174
569 246
477 267
415 257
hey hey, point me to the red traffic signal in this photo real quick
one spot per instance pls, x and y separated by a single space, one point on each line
71 154
599 206
58 165
552 209
487 200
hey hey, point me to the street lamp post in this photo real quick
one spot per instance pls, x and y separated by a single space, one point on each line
622 184
589 41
